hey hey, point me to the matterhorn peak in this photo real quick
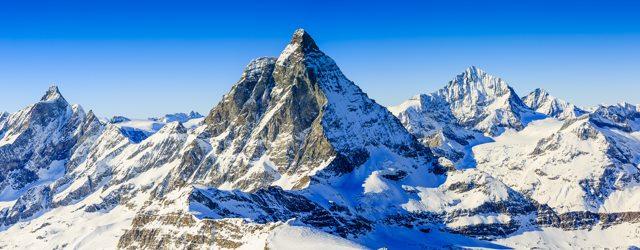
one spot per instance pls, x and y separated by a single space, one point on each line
303 39
52 94
301 44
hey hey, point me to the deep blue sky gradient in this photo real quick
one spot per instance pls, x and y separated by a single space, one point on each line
146 58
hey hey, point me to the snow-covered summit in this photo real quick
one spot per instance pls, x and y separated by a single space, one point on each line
469 109
541 101
283 111
484 102
623 116
304 40
53 94
37 139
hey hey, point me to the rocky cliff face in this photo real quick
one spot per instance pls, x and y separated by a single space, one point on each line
36 141
297 118
295 122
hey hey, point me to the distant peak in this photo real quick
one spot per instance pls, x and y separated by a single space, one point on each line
302 38
90 113
52 94
194 114
473 70
540 91
119 119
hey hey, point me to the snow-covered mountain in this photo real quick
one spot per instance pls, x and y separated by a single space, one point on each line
292 123
481 101
295 155
139 129
36 142
540 101
178 117
467 111
541 172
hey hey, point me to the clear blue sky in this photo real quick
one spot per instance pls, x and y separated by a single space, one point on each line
146 58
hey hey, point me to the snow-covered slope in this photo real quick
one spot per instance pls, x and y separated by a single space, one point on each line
571 166
139 129
540 101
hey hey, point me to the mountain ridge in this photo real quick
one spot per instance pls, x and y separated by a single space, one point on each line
297 150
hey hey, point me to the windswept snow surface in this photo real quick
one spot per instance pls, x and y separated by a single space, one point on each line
623 236
288 237
551 161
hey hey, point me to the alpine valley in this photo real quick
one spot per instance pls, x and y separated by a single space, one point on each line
297 156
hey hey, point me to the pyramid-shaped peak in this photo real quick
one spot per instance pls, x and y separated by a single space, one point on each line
52 94
304 40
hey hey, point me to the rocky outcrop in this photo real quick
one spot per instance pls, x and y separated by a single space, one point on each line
31 204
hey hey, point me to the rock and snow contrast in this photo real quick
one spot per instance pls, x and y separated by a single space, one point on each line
540 101
470 109
296 156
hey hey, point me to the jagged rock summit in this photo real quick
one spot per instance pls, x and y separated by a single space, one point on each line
541 101
468 110
484 102
304 40
36 141
298 116
295 131
52 94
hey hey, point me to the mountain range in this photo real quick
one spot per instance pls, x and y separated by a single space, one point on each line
297 156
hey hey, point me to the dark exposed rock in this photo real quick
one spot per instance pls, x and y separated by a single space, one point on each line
35 201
